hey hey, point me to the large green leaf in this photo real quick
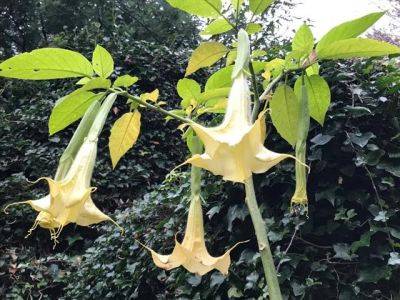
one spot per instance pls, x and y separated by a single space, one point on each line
259 6
216 27
220 79
303 40
357 47
103 63
205 55
349 29
319 96
46 63
70 109
202 8
284 113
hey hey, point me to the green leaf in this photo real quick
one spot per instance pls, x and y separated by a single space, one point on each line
96 83
258 53
46 63
188 89
211 95
259 6
125 81
70 109
83 81
303 40
237 4
243 53
216 27
231 57
275 66
205 55
313 69
284 113
349 29
103 63
220 79
252 28
202 8
319 96
124 135
357 47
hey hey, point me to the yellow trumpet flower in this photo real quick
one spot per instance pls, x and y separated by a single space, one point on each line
235 149
192 253
69 200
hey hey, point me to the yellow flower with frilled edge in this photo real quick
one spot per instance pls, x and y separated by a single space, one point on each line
192 253
235 149
69 199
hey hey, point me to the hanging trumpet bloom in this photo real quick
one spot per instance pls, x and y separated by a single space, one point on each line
235 149
192 253
69 199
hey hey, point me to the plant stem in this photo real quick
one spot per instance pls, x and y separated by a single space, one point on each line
263 244
151 106
256 105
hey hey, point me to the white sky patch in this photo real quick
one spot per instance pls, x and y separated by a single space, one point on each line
325 14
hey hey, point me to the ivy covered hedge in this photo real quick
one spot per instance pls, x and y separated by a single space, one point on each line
346 247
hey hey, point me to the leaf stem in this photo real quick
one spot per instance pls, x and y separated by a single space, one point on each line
263 243
222 15
152 106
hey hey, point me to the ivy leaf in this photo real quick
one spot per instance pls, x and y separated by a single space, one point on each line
70 109
46 63
259 6
284 113
357 47
201 8
125 81
220 79
342 251
348 30
216 27
303 40
319 96
103 63
374 274
124 135
394 259
205 55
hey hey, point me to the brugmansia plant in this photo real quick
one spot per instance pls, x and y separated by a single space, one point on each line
234 149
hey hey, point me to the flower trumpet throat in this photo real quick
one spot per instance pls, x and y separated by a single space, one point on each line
192 253
235 149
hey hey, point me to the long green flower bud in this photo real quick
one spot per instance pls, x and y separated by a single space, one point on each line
300 194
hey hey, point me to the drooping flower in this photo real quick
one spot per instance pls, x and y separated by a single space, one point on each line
69 199
235 149
192 253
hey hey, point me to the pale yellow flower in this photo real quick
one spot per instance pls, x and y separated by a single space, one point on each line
69 199
192 253
235 149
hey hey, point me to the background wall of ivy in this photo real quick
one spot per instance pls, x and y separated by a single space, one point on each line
346 248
